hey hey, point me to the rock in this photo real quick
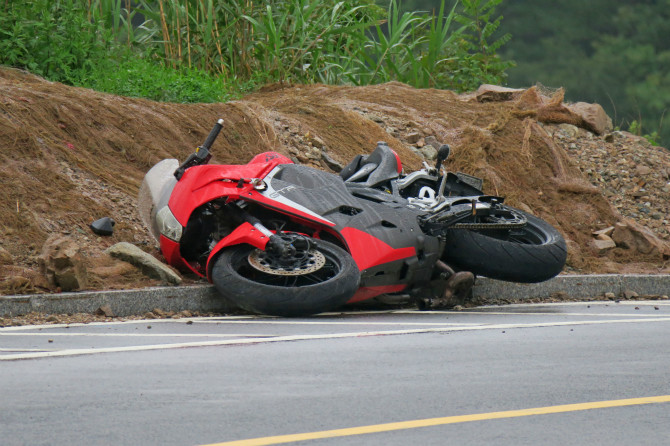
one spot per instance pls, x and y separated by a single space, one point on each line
148 264
604 238
17 285
495 93
569 130
629 294
105 310
5 257
120 268
413 137
603 246
594 117
432 141
610 296
315 141
631 235
607 231
642 170
313 154
158 312
429 152
62 263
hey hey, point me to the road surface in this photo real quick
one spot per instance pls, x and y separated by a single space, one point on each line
582 373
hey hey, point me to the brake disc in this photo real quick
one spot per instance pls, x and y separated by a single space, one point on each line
312 261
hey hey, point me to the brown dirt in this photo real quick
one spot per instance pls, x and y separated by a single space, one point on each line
69 156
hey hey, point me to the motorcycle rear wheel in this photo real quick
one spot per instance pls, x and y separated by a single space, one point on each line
258 291
534 253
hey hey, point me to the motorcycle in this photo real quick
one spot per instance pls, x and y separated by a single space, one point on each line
283 239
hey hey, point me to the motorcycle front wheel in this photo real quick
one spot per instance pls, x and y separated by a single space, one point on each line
533 253
254 285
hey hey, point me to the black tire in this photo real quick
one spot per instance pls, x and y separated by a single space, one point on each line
300 295
534 253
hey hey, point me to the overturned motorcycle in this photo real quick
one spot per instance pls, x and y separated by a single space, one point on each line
288 240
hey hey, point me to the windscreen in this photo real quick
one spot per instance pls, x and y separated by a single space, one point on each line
155 192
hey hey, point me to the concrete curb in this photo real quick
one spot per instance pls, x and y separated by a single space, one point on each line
576 287
204 298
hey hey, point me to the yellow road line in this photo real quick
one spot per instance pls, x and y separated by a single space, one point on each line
387 427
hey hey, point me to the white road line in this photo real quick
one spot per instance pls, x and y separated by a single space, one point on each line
12 350
88 351
111 323
605 303
291 322
141 335
523 313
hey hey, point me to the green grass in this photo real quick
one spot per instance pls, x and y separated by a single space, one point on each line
143 78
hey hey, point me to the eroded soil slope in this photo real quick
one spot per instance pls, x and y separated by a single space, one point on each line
69 156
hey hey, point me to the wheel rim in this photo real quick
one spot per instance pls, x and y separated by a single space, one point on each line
317 267
529 234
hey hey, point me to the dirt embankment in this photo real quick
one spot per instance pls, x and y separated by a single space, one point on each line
69 156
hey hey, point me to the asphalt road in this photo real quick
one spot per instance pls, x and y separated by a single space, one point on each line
593 373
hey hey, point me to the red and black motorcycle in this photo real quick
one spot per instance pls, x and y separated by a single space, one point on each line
289 240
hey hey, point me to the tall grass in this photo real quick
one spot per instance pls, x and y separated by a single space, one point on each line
238 44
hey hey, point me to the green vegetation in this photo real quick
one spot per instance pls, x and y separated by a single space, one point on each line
207 50
613 52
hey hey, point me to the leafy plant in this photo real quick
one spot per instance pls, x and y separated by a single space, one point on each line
635 128
205 50
51 38
481 63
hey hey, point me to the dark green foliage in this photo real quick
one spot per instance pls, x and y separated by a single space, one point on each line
614 52
482 64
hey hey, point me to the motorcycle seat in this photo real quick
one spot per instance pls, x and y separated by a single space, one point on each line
382 165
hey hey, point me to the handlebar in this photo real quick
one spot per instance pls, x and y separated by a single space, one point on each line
212 135
201 155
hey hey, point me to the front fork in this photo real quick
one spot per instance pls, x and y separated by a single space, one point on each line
283 249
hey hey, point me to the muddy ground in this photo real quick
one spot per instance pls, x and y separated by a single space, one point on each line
69 156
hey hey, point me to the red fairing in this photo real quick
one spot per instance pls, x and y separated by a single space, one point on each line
201 184
398 162
245 233
170 250
366 293
369 251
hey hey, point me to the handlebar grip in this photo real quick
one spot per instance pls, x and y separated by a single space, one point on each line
212 135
